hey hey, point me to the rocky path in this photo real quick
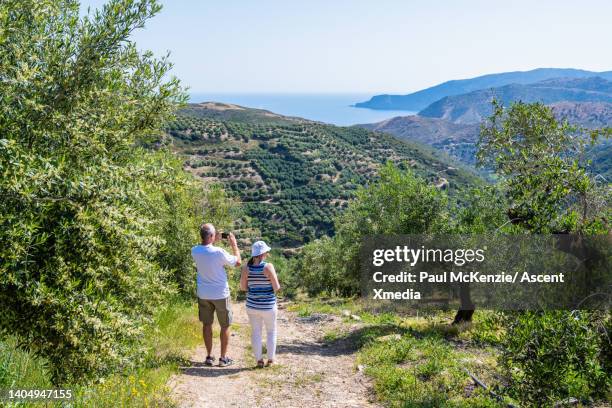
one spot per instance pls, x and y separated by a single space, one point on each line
309 372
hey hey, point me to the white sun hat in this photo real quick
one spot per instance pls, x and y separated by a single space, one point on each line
259 248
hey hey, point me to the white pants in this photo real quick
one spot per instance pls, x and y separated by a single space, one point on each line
258 319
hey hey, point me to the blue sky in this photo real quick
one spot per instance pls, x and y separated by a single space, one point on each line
375 46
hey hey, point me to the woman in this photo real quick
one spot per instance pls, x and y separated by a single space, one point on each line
259 279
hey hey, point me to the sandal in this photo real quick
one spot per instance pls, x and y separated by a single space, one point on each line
260 364
225 361
269 363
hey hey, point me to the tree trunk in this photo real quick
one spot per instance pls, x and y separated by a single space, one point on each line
464 314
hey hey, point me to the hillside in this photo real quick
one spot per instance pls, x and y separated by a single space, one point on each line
419 100
292 177
456 139
601 160
227 111
473 107
459 139
588 114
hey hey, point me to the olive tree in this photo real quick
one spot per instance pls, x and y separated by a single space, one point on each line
542 165
550 356
397 203
83 208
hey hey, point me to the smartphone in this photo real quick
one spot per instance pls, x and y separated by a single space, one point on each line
225 235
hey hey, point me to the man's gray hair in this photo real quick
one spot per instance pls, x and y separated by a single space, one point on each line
207 231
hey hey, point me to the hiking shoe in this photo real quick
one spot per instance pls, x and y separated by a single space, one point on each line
210 360
260 364
225 361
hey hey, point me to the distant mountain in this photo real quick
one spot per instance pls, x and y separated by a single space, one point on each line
588 114
475 106
459 139
419 100
293 175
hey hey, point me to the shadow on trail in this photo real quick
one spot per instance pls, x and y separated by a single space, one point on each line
199 369
354 340
345 344
305 348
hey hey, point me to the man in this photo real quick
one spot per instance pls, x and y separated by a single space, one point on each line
213 289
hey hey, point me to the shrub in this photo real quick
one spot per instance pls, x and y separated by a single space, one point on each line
550 356
398 203
90 224
176 206
322 269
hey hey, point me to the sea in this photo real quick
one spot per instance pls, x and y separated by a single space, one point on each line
329 108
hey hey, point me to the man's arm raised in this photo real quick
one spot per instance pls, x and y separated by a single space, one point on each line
235 251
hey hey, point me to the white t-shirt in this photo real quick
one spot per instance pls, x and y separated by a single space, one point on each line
212 278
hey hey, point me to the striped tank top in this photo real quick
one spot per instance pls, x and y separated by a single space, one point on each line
260 293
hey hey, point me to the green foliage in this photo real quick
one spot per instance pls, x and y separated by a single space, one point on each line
397 203
92 228
551 356
176 206
174 330
19 368
541 160
219 208
482 210
323 268
601 159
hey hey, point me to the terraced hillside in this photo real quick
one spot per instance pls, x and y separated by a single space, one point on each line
293 175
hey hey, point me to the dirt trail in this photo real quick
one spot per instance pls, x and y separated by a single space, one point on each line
309 372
